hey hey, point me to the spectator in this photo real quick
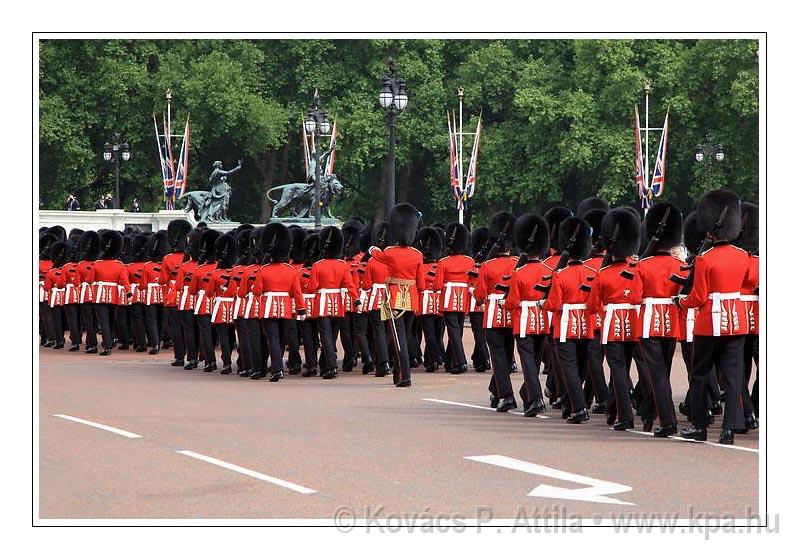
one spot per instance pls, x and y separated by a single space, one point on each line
108 202
135 205
72 204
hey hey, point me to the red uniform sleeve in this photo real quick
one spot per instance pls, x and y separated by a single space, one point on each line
347 282
313 283
258 285
699 294
381 256
513 299
595 302
480 287
123 279
297 294
554 297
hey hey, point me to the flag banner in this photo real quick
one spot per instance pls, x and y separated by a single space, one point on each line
182 172
472 171
640 186
455 176
329 165
167 171
660 170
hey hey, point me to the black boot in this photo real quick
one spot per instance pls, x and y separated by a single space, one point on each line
153 351
92 350
74 347
258 375
309 372
210 367
177 363
245 372
191 365
404 383
751 422
383 370
726 437
368 368
330 374
506 404
276 376
226 369
647 425
536 407
697 434
665 431
106 352
580 416
623 425
494 400
599 408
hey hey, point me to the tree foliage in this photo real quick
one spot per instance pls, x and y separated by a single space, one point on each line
558 116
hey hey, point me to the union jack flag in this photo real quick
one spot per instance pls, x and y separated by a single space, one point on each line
660 171
455 169
182 171
165 157
472 171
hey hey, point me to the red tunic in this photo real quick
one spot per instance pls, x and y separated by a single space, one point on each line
108 276
618 299
82 283
154 293
492 273
567 302
138 282
429 296
69 273
249 304
374 284
170 268
355 266
452 282
750 296
329 277
660 317
201 288
44 266
525 301
404 277
278 286
221 290
54 286
304 276
182 282
552 261
719 275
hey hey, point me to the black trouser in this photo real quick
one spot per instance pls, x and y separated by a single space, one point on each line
274 330
121 324
596 373
243 346
360 325
176 328
87 317
454 322
619 356
379 336
656 354
402 371
440 329
310 342
136 312
500 383
480 354
530 351
294 360
206 339
254 340
726 352
188 324
714 395
104 313
414 339
71 311
572 360
327 326
346 329
432 350
225 342
151 313
57 324
750 357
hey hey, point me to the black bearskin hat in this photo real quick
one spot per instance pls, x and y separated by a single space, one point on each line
58 232
89 246
46 241
138 247
595 220
110 244
583 240
673 226
709 209
225 250
177 233
430 243
195 240
255 245
243 244
380 235
350 230
748 238
403 224
157 246
501 223
626 226
275 242
311 248
331 242
457 236
298 236
208 239
692 236
58 253
591 203
524 229
554 217
478 240
365 238
74 235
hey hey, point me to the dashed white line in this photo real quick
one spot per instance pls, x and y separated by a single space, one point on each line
465 405
248 472
111 429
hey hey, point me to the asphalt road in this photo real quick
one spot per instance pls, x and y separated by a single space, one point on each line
354 445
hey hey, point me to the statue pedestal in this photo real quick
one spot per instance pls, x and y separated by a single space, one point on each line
306 223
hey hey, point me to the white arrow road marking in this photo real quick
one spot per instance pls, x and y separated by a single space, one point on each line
96 425
596 490
248 472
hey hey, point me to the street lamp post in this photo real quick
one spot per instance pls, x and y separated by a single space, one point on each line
317 123
710 152
113 152
393 98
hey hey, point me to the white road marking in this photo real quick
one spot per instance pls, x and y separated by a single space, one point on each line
479 407
595 490
674 438
248 472
101 426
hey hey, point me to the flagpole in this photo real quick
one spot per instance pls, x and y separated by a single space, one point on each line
647 142
461 152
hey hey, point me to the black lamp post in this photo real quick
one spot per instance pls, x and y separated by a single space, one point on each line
393 98
113 152
317 123
710 152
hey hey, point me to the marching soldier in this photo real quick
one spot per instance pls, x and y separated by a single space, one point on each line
186 299
156 250
479 240
107 275
748 241
452 282
89 249
222 289
349 331
177 236
46 240
660 320
244 361
294 361
404 264
200 288
138 281
278 285
530 322
431 245
250 307
71 294
374 283
616 293
720 322
490 292
309 326
572 325
54 285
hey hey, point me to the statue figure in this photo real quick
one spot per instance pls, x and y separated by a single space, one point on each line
212 206
298 198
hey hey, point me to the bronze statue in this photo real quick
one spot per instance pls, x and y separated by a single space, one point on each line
212 206
298 198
